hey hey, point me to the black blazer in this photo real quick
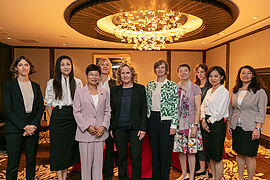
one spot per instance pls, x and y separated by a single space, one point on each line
14 109
138 107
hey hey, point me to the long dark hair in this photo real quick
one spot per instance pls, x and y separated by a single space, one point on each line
57 87
255 84
197 80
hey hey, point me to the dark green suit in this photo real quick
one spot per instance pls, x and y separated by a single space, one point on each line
16 120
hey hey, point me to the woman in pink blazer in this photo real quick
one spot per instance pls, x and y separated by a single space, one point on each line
92 112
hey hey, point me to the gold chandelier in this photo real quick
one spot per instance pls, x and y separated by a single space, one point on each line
149 29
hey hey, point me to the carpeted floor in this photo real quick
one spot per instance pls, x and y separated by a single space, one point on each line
43 168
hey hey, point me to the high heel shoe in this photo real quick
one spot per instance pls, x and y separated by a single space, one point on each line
183 178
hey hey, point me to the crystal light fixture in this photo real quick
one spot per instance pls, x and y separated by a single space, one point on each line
149 29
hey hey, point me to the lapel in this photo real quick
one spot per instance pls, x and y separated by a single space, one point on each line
101 96
133 95
245 99
18 91
88 95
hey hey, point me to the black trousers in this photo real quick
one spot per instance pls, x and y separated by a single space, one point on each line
123 138
16 143
108 163
161 146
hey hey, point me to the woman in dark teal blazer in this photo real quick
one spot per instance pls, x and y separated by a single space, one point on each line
23 106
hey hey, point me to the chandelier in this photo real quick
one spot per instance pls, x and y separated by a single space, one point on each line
149 29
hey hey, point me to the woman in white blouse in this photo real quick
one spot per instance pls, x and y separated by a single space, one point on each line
213 111
59 96
247 113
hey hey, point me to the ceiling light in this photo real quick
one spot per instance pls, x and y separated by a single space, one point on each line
255 17
64 44
222 33
8 38
203 42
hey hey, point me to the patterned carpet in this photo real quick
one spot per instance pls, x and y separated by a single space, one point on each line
230 165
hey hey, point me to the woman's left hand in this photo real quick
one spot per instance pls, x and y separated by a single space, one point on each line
141 135
256 134
100 131
193 132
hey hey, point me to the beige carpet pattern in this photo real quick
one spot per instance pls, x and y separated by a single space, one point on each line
230 166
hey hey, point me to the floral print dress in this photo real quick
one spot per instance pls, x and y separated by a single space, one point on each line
182 140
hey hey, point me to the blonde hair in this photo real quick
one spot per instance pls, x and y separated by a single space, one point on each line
134 78
101 60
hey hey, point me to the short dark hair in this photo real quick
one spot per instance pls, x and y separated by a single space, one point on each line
220 70
92 67
16 61
183 65
159 62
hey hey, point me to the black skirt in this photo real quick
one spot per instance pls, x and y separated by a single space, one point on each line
64 150
242 143
214 141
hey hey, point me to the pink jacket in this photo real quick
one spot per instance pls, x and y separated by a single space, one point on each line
85 114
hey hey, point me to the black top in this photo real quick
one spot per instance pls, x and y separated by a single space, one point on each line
124 117
137 107
14 109
204 90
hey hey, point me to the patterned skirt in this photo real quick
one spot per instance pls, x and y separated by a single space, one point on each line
186 144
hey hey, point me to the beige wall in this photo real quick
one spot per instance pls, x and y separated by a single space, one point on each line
182 57
252 50
142 61
40 58
216 57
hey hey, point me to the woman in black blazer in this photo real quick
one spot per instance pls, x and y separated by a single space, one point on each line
128 120
23 106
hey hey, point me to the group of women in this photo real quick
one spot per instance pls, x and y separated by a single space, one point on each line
187 117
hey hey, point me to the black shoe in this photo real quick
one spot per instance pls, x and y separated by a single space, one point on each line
200 173
210 175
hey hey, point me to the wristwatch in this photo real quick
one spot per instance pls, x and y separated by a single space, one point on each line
259 129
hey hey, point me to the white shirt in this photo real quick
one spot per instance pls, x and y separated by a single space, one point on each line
240 98
28 95
156 97
216 104
105 85
95 99
66 95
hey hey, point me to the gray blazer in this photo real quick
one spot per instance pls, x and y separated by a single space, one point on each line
252 109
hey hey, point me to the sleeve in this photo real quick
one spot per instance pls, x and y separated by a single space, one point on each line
107 113
197 90
262 105
230 108
49 93
77 112
203 107
143 109
79 83
221 107
9 108
175 102
112 108
40 104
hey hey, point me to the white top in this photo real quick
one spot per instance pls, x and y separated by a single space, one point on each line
105 85
28 95
66 95
216 104
95 99
240 98
156 97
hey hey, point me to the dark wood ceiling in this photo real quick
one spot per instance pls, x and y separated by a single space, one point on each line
217 15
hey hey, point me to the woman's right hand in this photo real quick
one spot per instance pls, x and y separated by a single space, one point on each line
111 133
229 130
205 126
92 130
30 129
